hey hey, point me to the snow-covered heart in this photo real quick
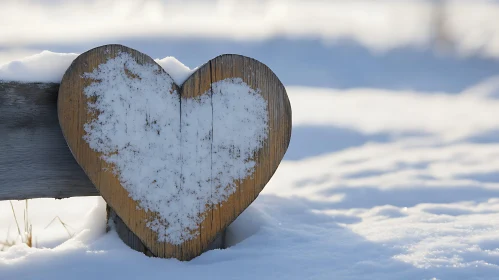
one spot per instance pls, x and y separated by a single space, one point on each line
155 138
177 163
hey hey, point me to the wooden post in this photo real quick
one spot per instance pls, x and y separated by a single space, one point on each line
35 161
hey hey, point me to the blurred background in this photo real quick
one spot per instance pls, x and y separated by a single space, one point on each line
395 111
335 43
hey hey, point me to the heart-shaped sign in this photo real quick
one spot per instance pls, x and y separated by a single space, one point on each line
177 163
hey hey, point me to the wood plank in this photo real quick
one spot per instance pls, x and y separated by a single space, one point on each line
258 76
195 86
35 160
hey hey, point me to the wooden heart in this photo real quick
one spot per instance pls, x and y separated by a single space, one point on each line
177 163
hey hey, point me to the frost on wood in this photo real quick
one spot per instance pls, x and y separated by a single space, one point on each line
175 157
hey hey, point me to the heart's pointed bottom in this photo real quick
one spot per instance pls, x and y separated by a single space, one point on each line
134 242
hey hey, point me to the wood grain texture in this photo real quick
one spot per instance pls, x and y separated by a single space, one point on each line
35 160
72 108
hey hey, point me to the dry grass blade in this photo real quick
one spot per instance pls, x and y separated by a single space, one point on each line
66 226
28 227
27 233
6 244
27 237
15 218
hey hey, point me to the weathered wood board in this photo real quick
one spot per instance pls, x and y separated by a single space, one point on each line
73 114
35 160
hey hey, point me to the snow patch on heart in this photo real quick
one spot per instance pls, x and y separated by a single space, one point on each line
162 147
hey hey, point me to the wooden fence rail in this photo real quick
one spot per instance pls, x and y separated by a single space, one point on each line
35 160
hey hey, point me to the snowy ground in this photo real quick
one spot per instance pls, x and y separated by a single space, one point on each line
392 171
377 184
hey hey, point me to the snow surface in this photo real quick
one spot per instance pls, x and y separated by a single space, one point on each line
376 184
173 165
49 67
46 66
176 69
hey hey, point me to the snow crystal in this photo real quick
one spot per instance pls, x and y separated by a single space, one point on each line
162 147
